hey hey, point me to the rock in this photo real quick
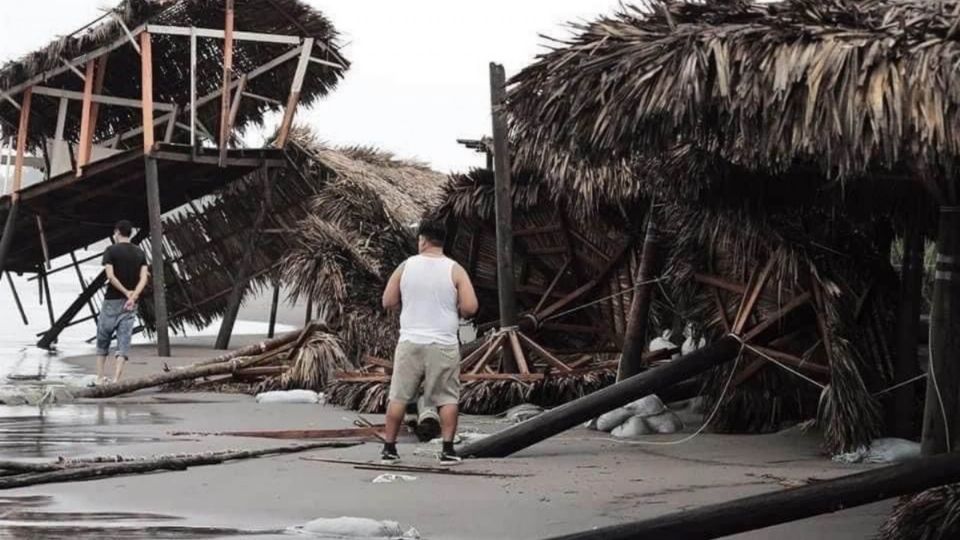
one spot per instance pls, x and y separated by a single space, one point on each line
635 426
612 419
666 422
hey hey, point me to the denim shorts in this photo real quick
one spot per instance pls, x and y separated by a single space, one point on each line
113 318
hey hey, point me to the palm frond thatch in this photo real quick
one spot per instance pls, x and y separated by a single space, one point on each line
930 515
171 59
851 86
314 365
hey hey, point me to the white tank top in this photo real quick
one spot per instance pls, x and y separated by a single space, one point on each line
429 301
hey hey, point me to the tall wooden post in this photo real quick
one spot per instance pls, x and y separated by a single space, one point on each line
941 419
227 79
146 89
903 405
156 254
504 207
86 130
274 302
634 339
6 241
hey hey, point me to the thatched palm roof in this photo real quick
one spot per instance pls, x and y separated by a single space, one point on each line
345 215
172 62
847 86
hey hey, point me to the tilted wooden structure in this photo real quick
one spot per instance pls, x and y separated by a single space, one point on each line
141 111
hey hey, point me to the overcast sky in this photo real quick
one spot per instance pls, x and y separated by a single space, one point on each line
419 78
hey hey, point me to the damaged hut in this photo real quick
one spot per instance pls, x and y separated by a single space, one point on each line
765 180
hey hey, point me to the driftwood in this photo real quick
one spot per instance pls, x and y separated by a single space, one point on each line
67 472
768 509
365 466
231 362
358 432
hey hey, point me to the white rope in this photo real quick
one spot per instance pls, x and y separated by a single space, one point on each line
598 300
709 419
904 383
936 387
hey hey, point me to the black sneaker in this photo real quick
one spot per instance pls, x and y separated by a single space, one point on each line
389 457
448 458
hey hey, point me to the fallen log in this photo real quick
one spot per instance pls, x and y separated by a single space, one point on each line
577 412
345 433
768 509
224 364
68 473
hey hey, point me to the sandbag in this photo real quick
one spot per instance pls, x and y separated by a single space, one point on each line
612 419
289 396
647 406
353 527
635 426
885 450
666 422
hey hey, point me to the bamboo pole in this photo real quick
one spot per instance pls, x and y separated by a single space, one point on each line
940 421
146 90
768 509
634 339
504 209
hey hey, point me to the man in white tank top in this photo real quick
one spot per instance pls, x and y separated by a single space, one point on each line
433 293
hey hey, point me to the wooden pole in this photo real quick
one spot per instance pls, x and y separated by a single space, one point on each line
146 84
504 208
274 302
156 248
940 420
294 99
768 509
16 298
635 337
560 419
22 130
86 131
903 405
49 337
227 79
83 285
45 283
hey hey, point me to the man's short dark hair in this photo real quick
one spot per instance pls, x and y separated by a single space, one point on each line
433 231
124 227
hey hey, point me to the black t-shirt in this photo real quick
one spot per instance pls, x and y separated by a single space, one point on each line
127 259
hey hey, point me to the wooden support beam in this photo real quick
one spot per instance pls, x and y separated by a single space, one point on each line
750 300
101 74
16 299
274 302
227 78
221 34
550 359
193 88
146 82
61 119
553 284
793 304
86 132
22 131
43 241
634 339
495 345
99 99
83 284
903 407
504 205
48 338
156 237
294 98
518 356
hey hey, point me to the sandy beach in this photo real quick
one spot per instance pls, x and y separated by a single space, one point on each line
576 481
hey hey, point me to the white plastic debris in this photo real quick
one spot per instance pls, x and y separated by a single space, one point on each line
390 478
608 421
886 450
354 527
691 344
635 426
289 396
646 406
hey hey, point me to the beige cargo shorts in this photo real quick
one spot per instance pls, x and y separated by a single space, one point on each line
437 367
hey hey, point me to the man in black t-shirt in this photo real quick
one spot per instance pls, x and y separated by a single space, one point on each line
126 269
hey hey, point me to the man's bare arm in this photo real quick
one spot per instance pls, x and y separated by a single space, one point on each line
391 294
142 284
114 282
467 301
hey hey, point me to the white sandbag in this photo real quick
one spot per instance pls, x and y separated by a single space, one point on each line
635 426
885 450
666 422
612 419
646 406
289 396
591 424
691 344
352 527
662 342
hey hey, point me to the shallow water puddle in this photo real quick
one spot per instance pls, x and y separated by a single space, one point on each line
20 518
30 431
